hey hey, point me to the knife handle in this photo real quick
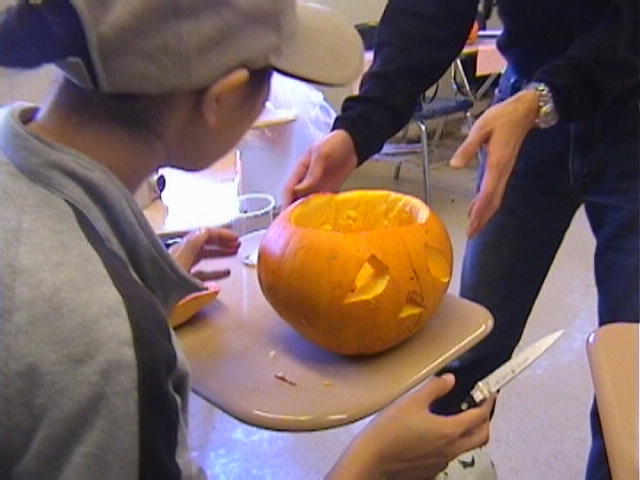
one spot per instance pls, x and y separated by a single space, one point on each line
476 397
468 403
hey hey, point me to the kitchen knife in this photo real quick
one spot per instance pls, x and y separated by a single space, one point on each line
508 371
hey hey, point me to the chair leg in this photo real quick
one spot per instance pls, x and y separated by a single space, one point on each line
425 162
396 170
404 135
469 118
480 151
438 133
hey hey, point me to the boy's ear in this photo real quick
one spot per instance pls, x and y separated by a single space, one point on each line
224 93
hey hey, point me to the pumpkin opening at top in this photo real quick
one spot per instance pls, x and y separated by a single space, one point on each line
356 272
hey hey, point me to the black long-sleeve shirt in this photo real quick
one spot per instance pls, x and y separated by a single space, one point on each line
585 50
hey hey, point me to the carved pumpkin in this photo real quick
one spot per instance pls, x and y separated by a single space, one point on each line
356 272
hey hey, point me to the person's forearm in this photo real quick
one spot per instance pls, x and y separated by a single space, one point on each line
357 462
416 42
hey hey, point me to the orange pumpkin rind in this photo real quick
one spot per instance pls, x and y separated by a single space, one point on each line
356 272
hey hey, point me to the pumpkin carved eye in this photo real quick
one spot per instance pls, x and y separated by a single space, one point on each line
439 264
371 280
356 272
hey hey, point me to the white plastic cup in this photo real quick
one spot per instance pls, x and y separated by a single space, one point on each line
255 212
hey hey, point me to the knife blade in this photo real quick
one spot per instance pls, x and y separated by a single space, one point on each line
508 371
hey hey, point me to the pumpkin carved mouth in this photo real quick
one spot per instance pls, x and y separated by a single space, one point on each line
356 272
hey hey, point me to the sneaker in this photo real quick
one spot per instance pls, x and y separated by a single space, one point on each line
472 465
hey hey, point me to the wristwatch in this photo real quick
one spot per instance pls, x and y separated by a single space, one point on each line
547 114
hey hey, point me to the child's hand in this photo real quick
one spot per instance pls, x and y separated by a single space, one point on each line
205 243
406 440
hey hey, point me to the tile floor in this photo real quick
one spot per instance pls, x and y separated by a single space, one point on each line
540 430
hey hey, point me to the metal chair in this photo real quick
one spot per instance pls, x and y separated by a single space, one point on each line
438 108
427 109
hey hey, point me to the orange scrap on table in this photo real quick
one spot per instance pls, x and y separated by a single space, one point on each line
280 376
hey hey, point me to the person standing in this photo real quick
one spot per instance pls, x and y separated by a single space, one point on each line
563 132
92 379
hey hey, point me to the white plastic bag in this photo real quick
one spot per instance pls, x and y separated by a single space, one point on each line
296 116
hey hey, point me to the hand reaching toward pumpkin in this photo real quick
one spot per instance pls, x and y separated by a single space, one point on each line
406 440
205 243
322 168
501 129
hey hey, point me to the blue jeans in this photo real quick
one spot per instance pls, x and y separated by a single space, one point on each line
594 163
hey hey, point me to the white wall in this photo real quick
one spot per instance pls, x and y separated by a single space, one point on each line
354 11
28 86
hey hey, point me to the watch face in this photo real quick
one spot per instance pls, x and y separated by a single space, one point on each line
547 114
547 117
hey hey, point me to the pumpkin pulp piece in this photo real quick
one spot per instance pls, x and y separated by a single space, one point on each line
192 304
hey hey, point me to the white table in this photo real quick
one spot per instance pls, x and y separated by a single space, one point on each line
238 346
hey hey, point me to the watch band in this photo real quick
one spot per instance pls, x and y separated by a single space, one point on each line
547 114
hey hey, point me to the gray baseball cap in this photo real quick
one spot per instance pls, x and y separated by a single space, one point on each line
161 46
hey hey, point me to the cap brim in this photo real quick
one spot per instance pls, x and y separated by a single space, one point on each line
325 49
